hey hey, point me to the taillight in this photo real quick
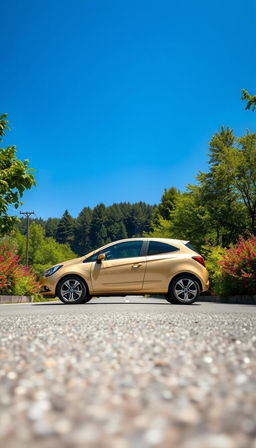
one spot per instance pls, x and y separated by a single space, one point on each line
199 260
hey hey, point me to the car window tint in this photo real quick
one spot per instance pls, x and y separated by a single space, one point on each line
128 249
124 250
191 247
92 257
155 247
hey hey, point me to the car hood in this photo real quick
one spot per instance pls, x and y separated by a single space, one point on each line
73 261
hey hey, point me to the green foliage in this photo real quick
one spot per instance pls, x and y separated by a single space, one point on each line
24 286
161 229
238 267
65 229
251 100
98 230
222 206
240 161
227 214
136 217
43 252
82 243
232 271
15 178
190 220
50 226
166 206
213 255
3 125
95 227
114 222
14 277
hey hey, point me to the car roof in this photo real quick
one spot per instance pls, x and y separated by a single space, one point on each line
167 240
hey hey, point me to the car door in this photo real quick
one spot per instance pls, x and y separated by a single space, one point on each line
122 270
161 261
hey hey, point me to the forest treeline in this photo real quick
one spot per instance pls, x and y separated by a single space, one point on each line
96 226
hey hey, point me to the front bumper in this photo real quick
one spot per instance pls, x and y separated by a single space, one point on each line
47 288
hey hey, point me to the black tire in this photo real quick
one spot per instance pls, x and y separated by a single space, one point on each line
183 290
72 290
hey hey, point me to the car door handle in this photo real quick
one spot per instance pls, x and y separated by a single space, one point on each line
136 266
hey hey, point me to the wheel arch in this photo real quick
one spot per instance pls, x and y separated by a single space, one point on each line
188 274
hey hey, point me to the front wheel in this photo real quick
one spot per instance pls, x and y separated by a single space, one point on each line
72 290
183 289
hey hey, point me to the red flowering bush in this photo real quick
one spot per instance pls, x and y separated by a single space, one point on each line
238 267
14 277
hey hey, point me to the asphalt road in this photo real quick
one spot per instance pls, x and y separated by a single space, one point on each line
127 372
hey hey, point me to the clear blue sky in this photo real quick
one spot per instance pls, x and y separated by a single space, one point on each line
116 100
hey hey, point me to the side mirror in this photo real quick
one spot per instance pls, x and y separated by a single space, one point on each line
100 258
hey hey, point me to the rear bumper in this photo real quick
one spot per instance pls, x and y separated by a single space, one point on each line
205 285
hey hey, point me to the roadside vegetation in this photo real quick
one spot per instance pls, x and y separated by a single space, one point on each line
15 278
217 214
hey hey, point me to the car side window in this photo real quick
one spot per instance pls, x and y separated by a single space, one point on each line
127 249
155 247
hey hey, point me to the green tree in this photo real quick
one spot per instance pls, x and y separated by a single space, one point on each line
168 201
137 218
240 161
22 224
15 178
115 227
251 100
159 229
43 252
162 212
51 227
82 232
212 212
65 229
227 214
190 220
98 233
134 221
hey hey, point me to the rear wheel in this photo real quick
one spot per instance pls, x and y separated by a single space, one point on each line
184 289
72 290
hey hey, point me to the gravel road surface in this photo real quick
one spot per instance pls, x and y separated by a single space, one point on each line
127 372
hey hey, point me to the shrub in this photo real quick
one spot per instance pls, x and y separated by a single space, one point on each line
238 267
213 255
25 282
14 277
233 270
8 267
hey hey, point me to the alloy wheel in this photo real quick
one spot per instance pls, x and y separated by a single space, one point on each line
71 290
185 290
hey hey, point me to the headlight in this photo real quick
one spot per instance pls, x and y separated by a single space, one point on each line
52 270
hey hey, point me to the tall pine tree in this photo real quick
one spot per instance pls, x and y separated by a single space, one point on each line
82 232
98 233
226 212
65 229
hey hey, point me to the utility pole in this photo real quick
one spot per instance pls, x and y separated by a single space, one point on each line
27 216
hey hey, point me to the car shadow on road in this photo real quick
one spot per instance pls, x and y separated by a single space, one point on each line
111 303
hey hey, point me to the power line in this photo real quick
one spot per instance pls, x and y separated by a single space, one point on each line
28 214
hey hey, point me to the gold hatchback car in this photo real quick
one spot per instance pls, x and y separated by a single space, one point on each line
131 266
